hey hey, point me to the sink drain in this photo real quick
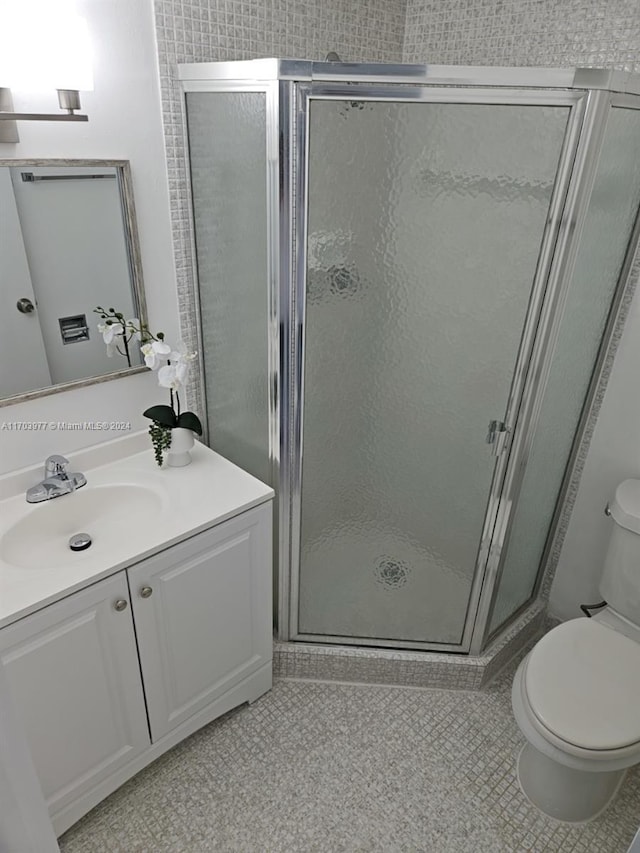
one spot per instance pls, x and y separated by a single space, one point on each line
80 542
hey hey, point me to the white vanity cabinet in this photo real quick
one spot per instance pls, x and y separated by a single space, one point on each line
74 679
203 619
110 677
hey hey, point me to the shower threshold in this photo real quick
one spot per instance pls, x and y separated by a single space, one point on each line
353 664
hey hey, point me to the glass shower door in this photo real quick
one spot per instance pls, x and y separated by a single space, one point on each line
424 228
608 228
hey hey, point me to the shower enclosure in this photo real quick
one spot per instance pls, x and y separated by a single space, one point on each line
407 278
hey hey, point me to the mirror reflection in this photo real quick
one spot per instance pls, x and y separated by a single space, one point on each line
68 243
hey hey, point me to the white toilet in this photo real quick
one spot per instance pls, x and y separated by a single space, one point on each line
576 695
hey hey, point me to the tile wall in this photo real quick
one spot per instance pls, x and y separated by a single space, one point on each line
210 30
603 33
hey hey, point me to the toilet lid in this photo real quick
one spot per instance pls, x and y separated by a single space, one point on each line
583 683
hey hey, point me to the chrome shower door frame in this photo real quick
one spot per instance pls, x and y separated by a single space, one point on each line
288 85
271 90
529 375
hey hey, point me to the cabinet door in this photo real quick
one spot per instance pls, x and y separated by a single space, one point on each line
202 611
74 680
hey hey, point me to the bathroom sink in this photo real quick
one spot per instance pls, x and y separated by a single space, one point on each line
130 508
113 515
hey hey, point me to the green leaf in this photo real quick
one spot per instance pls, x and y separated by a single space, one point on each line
162 415
189 420
160 439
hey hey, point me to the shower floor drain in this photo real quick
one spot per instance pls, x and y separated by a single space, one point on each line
391 573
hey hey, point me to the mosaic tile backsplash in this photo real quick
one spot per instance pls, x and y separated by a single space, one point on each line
601 33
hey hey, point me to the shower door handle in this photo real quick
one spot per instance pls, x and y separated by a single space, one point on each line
25 306
496 436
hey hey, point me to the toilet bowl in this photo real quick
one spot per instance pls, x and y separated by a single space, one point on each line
576 695
576 699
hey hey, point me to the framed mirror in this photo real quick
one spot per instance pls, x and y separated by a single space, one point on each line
68 243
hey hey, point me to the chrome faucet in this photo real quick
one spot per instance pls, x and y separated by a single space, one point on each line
57 481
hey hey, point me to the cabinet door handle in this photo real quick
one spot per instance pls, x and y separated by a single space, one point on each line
120 604
146 591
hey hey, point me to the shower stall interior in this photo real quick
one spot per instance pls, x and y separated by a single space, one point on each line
407 279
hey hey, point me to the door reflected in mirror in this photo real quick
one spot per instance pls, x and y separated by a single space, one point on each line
68 243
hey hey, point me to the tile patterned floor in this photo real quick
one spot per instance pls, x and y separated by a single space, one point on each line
341 768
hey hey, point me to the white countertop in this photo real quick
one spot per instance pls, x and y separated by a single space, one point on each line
191 499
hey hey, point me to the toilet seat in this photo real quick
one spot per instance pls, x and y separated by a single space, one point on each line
582 687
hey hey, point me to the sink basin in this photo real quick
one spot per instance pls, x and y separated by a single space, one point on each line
113 515
130 508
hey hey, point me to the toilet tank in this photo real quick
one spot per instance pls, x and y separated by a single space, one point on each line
620 582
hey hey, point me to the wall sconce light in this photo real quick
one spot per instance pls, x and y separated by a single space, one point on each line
42 48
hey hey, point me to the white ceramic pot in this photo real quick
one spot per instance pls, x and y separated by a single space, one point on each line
182 440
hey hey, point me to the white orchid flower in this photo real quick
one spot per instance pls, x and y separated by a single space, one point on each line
109 331
154 352
174 375
170 376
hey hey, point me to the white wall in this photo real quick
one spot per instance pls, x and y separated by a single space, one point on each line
614 455
124 123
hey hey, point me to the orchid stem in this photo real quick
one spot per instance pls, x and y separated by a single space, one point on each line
126 347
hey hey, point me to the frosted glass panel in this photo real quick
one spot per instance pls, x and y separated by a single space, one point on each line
425 225
227 146
614 204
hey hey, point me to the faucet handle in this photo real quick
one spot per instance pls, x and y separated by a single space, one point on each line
55 464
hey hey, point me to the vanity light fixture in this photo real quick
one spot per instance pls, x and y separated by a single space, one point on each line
68 99
43 45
